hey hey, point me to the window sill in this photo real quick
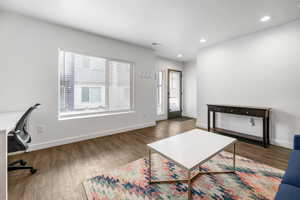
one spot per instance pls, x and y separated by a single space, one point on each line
63 117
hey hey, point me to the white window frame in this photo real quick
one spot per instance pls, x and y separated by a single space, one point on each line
80 113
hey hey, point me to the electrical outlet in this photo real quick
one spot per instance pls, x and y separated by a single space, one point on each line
40 129
252 121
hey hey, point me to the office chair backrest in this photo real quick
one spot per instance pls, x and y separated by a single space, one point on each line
20 132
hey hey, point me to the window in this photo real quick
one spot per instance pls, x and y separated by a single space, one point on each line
159 95
94 85
95 94
85 94
91 95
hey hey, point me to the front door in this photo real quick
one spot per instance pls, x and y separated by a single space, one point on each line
174 94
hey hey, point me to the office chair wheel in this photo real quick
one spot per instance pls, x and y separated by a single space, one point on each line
23 163
33 171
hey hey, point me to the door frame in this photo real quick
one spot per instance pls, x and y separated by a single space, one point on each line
171 115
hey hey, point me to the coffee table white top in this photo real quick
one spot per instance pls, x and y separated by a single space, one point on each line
192 148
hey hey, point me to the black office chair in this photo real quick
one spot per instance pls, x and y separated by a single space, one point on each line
18 140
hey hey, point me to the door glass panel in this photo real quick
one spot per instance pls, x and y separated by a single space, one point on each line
174 89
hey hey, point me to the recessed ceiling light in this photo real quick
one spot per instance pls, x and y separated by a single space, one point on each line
155 44
202 40
179 56
265 18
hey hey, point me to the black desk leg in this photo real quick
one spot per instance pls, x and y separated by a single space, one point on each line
208 120
264 132
214 120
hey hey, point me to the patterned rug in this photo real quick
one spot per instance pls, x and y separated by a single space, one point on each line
252 181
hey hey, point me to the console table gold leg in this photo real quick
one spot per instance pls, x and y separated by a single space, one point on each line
234 156
189 185
149 166
189 179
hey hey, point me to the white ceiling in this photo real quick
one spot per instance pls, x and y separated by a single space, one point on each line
177 24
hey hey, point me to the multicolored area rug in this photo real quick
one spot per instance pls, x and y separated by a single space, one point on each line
130 182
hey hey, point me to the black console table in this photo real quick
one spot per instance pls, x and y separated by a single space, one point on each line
263 113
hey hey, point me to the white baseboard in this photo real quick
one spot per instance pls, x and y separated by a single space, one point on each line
282 143
189 115
161 117
34 147
276 142
201 125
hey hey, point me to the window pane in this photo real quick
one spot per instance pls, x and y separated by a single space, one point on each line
96 95
89 69
62 98
68 81
85 94
160 78
160 110
119 85
89 73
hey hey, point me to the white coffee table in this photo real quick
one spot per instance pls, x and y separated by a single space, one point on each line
190 150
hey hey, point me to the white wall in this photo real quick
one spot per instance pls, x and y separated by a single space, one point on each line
29 74
163 64
190 89
260 69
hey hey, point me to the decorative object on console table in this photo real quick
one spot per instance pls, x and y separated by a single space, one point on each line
260 112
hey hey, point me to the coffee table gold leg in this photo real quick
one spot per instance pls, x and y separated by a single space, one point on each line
189 185
234 156
149 166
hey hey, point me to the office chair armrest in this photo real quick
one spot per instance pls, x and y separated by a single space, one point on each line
10 134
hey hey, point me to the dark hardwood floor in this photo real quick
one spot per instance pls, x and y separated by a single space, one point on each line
62 169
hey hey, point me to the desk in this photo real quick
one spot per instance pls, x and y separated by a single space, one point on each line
7 123
261 112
